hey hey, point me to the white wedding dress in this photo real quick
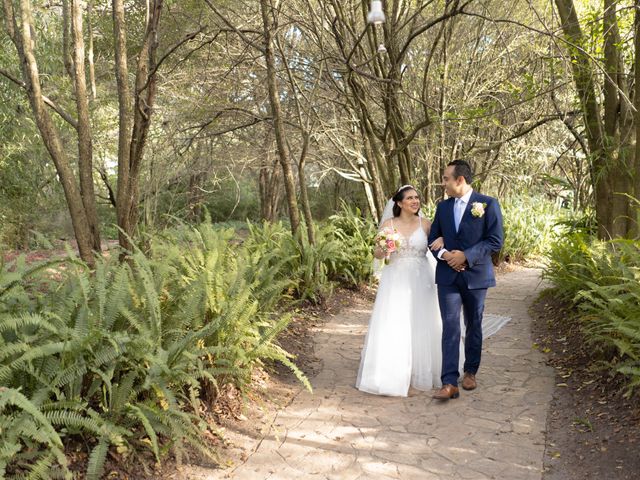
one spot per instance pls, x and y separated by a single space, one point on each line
402 347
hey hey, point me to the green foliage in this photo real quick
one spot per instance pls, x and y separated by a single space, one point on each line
530 225
342 253
125 355
306 267
356 234
602 278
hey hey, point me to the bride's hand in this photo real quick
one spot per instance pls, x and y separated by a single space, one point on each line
437 244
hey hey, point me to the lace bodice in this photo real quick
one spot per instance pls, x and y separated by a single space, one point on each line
413 246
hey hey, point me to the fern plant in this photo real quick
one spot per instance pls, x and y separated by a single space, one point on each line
355 235
602 278
124 355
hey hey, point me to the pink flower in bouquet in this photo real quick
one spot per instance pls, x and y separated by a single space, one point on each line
388 239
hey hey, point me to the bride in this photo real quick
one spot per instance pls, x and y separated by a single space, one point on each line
403 344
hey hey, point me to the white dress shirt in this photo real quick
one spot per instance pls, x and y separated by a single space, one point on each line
458 212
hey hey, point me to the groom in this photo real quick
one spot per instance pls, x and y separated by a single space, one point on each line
471 225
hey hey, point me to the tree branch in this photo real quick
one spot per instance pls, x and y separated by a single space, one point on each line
409 138
105 180
50 103
189 36
240 33
526 130
427 26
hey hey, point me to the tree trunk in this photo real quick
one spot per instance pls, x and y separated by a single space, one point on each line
635 226
268 182
144 101
25 44
368 190
133 124
67 59
615 127
85 147
304 193
278 125
585 86
92 69
124 123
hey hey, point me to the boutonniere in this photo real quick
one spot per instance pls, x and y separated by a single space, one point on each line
477 209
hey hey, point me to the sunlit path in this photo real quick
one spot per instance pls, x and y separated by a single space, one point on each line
340 433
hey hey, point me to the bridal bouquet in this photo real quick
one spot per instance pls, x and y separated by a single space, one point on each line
388 239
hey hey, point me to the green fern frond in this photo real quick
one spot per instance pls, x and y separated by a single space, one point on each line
97 458
151 433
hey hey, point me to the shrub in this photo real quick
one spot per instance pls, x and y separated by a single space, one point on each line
602 278
355 234
530 226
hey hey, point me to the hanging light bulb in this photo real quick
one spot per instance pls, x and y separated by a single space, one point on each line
376 15
382 48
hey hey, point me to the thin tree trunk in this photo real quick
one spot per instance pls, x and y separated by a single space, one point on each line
66 37
368 190
24 43
276 113
92 68
134 121
585 86
396 121
614 128
124 123
85 148
636 101
304 192
144 101
268 184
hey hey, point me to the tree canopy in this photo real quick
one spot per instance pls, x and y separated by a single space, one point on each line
130 111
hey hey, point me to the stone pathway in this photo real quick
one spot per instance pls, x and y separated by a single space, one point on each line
496 431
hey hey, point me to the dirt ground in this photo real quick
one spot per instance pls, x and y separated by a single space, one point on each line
593 431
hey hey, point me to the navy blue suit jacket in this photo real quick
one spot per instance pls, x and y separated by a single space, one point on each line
477 237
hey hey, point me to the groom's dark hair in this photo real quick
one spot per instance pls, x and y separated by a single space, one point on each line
461 168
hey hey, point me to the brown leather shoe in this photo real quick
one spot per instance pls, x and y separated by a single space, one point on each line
469 381
446 392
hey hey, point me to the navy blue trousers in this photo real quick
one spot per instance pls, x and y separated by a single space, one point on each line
453 299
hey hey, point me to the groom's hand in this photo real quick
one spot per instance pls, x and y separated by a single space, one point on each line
455 259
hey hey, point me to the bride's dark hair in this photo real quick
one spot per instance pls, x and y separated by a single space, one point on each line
398 197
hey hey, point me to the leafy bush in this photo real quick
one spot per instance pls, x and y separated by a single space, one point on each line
304 266
342 254
530 226
602 278
355 234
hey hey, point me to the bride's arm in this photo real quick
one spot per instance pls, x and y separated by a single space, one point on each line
438 243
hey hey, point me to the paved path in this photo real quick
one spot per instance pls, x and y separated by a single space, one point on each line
496 431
